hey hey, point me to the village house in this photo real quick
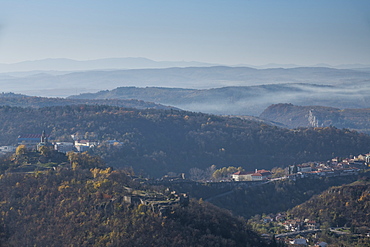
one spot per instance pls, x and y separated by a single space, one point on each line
299 241
293 225
321 244
304 168
7 149
84 145
258 175
64 147
242 176
311 224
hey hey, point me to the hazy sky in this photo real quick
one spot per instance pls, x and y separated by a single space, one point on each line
256 32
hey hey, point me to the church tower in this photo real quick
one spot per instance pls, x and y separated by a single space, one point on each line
44 139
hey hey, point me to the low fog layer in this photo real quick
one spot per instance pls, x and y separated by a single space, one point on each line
245 100
217 90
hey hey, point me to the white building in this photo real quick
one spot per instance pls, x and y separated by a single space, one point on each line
299 241
64 147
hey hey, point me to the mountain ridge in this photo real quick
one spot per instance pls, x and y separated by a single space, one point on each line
94 64
242 100
140 62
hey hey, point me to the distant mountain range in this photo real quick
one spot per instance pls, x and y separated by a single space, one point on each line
64 64
216 89
62 84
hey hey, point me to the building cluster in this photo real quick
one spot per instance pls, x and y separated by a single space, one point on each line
257 175
293 228
300 225
331 168
291 225
36 141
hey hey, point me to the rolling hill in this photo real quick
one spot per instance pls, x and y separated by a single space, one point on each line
156 142
20 100
50 83
244 100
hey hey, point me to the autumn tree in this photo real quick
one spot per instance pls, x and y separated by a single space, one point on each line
225 172
21 150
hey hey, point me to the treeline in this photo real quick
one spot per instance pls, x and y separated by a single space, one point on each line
86 208
156 142
20 100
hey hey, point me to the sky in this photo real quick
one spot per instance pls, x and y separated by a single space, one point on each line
231 32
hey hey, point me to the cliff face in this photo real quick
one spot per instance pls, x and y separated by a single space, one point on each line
294 116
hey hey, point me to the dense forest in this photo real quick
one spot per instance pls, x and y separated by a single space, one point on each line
347 205
88 207
156 142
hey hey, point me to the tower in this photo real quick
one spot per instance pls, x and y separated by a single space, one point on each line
44 138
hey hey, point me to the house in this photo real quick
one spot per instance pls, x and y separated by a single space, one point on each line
304 168
311 225
293 225
258 175
242 176
84 145
299 241
321 244
264 173
64 147
280 217
7 149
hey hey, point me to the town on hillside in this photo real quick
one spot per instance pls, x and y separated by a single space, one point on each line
35 141
331 168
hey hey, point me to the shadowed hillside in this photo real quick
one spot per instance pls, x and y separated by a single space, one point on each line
156 142
90 208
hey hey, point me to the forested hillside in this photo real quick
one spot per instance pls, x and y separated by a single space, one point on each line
88 208
159 141
20 100
339 206
294 116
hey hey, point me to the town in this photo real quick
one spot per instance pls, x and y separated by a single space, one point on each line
290 230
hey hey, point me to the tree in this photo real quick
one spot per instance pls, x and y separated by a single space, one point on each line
21 150
224 172
278 172
45 151
197 174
